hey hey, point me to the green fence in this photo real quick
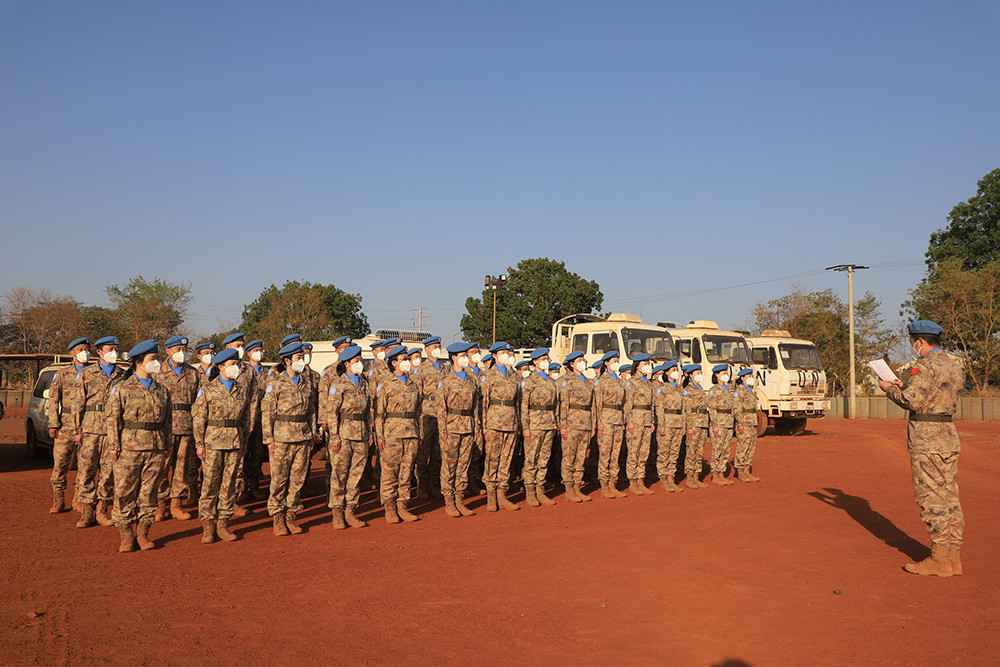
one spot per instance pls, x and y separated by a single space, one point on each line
880 407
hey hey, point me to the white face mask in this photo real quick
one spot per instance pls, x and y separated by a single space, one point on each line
525 374
357 367
416 362
914 350
748 380
152 367
543 366
404 366
554 375
674 375
578 366
659 378
177 357
626 376
240 352
110 357
590 373
463 362
206 359
614 367
476 357
307 358
647 369
256 356
232 371
503 359
724 378
439 353
298 365
697 378
380 355
82 357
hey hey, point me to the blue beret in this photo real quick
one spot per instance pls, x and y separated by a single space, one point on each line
142 349
539 352
342 340
458 348
691 368
233 338
745 371
225 356
719 368
611 355
659 369
414 350
392 342
432 340
488 357
79 341
205 346
642 356
522 363
291 338
571 357
625 368
349 353
253 345
107 340
473 345
289 350
924 327
175 341
497 346
397 350
307 346
597 364
670 364
554 366
379 343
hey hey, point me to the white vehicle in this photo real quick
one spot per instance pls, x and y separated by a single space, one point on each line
703 342
595 335
790 381
323 354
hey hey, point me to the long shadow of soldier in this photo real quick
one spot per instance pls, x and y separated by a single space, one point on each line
877 524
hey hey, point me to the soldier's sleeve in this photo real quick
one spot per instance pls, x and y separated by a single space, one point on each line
477 413
314 403
419 411
199 418
267 412
380 401
246 416
55 399
254 402
113 421
168 418
332 414
442 407
562 396
713 413
914 392
525 391
593 408
77 402
324 394
629 395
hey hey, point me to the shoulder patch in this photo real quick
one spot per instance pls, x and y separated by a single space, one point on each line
114 388
628 384
439 385
658 390
378 388
597 382
323 374
564 383
914 371
201 392
524 383
333 390
482 378
270 388
685 392
77 376
371 372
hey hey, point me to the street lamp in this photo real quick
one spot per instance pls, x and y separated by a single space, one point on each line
494 283
850 269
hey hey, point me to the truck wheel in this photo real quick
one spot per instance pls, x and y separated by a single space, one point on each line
761 423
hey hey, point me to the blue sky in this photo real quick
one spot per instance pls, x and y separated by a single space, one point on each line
404 150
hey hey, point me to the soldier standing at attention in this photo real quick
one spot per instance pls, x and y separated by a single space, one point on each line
745 406
397 432
539 419
930 393
327 376
59 415
428 376
458 428
221 422
720 418
625 372
695 407
346 413
182 382
204 352
288 419
253 458
139 420
577 424
501 391
94 475
476 463
639 418
670 426
237 341
609 401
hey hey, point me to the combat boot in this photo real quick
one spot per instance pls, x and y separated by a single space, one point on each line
162 510
128 539
719 479
449 507
743 474
504 502
542 498
293 527
177 510
956 560
280 529
405 514
530 497
226 535
571 495
605 491
239 511
87 518
578 486
142 536
77 507
58 502
103 515
338 519
669 485
938 565
614 489
390 512
352 519
207 531
491 500
460 506
635 488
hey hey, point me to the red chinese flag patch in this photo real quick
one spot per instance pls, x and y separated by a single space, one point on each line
914 371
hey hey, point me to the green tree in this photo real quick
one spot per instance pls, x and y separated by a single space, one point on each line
318 312
973 235
537 293
40 322
148 309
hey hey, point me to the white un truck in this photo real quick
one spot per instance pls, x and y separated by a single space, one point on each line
791 383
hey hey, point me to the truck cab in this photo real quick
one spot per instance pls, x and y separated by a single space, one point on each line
791 382
595 336
703 342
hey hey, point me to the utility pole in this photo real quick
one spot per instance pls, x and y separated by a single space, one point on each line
493 283
850 269
420 317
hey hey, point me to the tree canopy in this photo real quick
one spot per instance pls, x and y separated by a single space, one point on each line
148 309
973 233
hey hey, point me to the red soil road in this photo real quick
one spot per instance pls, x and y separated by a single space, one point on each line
747 574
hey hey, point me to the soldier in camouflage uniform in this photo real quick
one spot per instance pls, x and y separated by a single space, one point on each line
720 418
640 421
238 342
458 427
327 377
745 405
62 431
609 399
501 391
476 462
930 393
539 419
670 425
182 382
138 437
95 467
346 412
205 352
577 424
695 407
428 376
288 422
377 371
397 432
221 420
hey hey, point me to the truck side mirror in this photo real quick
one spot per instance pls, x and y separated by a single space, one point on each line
45 394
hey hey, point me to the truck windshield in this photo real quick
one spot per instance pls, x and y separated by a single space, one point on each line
726 350
799 357
657 344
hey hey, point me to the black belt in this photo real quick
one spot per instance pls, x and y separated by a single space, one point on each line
579 406
460 413
94 408
224 423
749 412
182 406
613 407
725 411
298 419
642 407
407 415
550 408
700 411
498 401
916 417
671 412
144 426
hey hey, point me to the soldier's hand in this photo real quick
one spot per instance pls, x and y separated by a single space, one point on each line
715 432
600 431
691 432
52 433
200 451
270 449
486 436
443 435
662 431
325 427
631 429
335 446
883 385
114 454
381 445
739 429
527 435
562 432
78 439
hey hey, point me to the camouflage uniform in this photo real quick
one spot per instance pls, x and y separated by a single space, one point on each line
256 453
327 377
670 425
745 407
220 419
397 424
139 433
609 400
428 375
578 418
60 405
695 406
477 463
95 466
639 414
288 422
930 393
539 414
720 416
182 462
346 409
500 403
458 418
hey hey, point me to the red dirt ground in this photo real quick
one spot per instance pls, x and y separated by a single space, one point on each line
762 574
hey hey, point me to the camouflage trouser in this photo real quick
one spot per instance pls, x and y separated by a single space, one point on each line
218 486
935 486
62 456
106 477
609 447
746 445
137 476
499 452
428 452
182 467
668 447
695 451
638 451
347 466
397 466
536 456
89 459
455 456
722 445
574 452
289 469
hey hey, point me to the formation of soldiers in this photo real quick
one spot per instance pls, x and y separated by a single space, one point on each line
444 417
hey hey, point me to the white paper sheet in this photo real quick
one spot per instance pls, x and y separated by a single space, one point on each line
882 370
